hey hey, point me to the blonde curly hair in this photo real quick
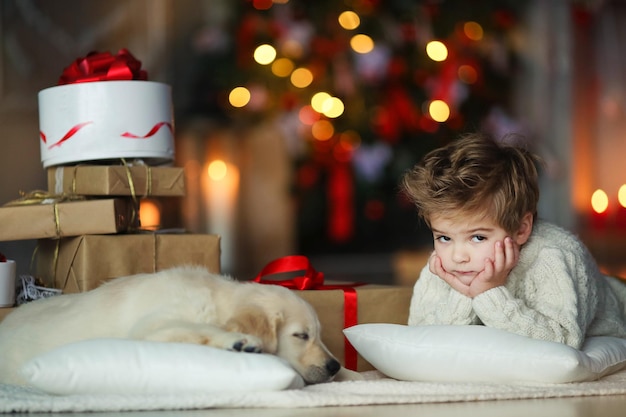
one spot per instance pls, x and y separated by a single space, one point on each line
476 175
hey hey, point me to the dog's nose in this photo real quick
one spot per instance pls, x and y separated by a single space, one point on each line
333 366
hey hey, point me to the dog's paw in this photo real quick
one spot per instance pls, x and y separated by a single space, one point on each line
241 342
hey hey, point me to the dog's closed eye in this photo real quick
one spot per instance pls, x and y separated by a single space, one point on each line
303 336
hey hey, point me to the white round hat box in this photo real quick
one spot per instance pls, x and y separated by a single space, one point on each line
104 120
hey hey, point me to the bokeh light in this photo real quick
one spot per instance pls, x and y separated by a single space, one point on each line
621 195
318 99
301 77
436 51
239 97
467 74
265 54
333 107
217 170
362 44
292 48
282 67
599 201
439 110
307 115
349 20
473 31
350 139
322 130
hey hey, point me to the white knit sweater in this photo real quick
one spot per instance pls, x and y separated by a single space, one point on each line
556 292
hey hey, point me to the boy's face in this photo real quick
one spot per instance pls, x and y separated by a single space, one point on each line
464 242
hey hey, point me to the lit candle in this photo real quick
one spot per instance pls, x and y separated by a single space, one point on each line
150 214
221 192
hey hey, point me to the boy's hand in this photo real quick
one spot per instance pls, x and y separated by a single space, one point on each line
495 273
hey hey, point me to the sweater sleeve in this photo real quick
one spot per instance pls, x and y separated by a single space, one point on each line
435 302
551 301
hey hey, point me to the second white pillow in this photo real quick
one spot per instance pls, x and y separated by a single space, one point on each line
481 354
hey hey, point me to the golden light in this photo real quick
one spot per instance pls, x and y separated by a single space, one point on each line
149 213
599 201
318 100
239 97
467 74
282 67
333 107
265 54
473 30
439 110
217 170
322 130
362 44
436 51
621 195
349 20
301 77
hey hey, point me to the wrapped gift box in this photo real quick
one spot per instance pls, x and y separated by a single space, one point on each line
39 221
106 120
103 180
105 108
82 263
375 304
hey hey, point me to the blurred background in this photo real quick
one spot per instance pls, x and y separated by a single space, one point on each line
295 119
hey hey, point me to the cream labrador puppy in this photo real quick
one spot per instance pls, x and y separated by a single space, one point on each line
184 304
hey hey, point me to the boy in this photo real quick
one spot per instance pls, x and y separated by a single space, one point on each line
494 263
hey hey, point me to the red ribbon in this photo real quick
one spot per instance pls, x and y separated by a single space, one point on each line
314 280
152 131
68 135
102 66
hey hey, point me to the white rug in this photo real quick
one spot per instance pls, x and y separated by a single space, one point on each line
374 390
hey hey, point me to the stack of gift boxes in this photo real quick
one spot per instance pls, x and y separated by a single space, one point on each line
106 141
95 126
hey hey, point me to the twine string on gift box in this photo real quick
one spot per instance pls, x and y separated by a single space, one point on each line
38 197
42 197
133 194
314 280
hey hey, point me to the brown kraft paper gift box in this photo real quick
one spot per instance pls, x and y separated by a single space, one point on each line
101 180
85 262
39 221
375 304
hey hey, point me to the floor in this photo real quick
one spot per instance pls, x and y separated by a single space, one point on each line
605 406
401 269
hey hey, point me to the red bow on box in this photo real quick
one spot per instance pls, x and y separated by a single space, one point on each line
314 280
102 66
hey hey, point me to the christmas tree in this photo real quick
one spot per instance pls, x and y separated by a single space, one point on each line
362 90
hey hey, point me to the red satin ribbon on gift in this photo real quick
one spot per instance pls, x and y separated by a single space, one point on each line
102 66
314 280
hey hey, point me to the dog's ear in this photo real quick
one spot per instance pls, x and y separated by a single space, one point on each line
258 322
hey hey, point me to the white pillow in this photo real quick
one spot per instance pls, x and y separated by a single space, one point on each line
481 354
119 366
